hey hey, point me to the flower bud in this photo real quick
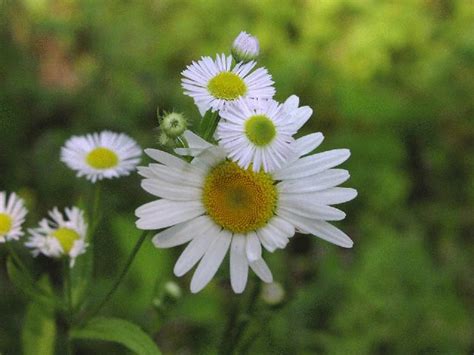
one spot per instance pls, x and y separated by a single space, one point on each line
245 47
173 124
273 293
172 290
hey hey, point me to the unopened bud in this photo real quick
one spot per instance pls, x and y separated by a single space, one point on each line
173 290
245 47
173 124
273 293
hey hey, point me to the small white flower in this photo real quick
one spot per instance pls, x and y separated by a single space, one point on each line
60 236
245 47
12 216
217 206
259 133
103 155
214 83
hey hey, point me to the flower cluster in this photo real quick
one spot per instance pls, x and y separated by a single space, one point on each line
96 156
243 183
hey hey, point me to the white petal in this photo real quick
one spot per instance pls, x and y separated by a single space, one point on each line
238 263
320 229
164 213
313 164
321 181
253 247
260 268
195 250
170 191
308 143
332 196
211 261
182 233
166 158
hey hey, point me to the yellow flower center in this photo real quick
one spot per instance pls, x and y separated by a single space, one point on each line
5 223
227 86
239 200
66 237
260 130
102 158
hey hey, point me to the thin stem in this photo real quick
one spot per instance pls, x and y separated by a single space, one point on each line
119 279
68 302
238 322
17 259
94 217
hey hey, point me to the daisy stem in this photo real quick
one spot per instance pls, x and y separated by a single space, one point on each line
68 302
238 321
119 279
16 258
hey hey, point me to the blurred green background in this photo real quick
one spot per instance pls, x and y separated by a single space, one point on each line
391 80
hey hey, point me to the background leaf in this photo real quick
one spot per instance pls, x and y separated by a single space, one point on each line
119 331
39 328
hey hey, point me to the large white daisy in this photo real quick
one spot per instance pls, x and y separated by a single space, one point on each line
12 216
214 83
103 155
62 235
259 133
215 205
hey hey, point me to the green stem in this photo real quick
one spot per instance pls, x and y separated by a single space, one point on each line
119 279
17 259
68 302
238 323
95 216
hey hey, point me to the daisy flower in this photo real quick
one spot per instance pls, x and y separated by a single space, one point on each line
217 206
214 83
245 47
259 133
12 216
61 235
103 155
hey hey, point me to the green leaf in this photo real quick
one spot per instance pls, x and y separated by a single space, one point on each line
39 328
81 275
26 284
119 331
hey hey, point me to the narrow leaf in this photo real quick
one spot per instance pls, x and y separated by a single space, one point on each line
39 327
120 331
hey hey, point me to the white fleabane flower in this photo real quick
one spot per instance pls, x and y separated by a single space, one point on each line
258 133
214 83
62 235
12 216
245 47
217 206
103 155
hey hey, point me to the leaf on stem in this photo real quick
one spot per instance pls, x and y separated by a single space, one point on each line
120 331
39 327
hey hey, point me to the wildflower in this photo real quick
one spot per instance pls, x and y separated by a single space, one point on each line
12 216
103 155
216 205
214 83
245 48
59 236
258 133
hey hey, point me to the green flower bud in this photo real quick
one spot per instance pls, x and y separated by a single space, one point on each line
173 124
273 294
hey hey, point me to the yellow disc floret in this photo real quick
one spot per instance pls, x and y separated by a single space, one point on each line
239 200
227 86
102 158
5 223
66 237
260 130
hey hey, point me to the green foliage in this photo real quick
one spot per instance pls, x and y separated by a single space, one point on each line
391 80
39 327
120 331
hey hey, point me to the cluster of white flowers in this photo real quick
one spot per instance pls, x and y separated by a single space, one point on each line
97 156
246 184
